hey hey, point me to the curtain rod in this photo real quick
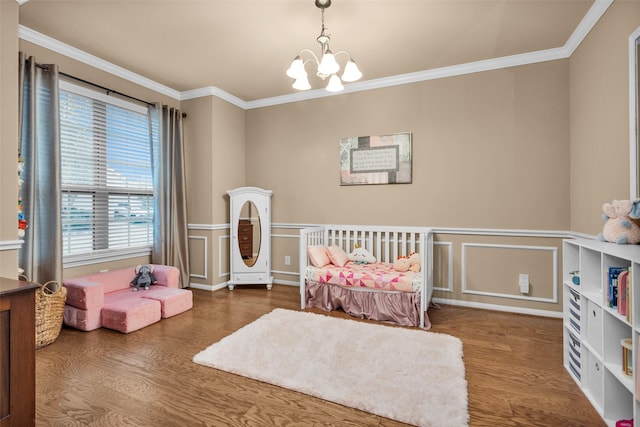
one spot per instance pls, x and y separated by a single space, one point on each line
106 89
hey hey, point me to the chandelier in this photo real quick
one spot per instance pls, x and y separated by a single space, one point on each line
328 67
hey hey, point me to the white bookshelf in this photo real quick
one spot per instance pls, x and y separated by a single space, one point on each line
592 331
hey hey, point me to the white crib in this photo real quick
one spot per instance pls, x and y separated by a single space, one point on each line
386 243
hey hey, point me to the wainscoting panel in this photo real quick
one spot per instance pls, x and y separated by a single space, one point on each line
199 256
223 255
285 247
443 266
493 270
471 267
209 253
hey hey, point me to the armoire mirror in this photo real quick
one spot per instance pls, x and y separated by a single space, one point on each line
249 233
634 116
250 237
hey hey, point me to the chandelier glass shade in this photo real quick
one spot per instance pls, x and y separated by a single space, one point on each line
327 66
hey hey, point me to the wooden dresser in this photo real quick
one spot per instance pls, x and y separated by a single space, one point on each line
17 353
245 238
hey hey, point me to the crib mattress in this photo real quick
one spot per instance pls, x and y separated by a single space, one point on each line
378 275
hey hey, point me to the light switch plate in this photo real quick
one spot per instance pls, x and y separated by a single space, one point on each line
524 283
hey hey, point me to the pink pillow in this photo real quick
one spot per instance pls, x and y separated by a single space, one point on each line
337 255
318 255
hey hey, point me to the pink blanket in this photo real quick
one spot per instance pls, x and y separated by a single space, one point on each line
373 276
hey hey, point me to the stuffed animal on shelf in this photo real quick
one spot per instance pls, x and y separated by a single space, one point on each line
22 222
621 222
414 262
402 264
361 256
144 277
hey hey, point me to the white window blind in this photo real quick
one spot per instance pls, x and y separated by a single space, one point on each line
107 187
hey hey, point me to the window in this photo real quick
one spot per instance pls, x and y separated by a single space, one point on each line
107 185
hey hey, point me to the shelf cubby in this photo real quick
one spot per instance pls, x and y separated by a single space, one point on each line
594 327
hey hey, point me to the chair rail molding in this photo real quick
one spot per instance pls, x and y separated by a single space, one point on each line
8 245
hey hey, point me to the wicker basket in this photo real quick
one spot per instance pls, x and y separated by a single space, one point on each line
50 300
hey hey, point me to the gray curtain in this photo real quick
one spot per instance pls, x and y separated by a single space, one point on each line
39 145
170 244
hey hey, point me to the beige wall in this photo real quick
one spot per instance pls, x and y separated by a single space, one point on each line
8 135
599 98
214 133
490 150
214 150
520 148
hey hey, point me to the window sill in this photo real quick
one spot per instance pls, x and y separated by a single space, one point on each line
106 256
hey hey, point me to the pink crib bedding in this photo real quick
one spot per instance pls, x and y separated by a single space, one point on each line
380 276
401 308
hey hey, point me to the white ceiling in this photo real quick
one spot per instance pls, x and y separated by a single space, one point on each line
245 46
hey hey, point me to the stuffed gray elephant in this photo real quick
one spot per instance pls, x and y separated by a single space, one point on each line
144 277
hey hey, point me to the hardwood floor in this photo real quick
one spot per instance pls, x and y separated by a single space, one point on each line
146 378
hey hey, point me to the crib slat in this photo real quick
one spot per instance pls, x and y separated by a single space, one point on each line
386 244
395 245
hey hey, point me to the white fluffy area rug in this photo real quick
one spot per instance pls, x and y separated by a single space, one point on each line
407 375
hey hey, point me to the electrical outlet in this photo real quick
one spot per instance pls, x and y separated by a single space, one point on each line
524 283
287 260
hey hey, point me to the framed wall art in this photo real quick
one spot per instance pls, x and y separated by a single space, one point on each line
376 159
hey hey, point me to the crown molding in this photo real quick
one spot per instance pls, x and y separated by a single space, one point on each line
50 43
590 19
213 91
420 76
594 14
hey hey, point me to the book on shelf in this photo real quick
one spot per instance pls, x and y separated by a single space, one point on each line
629 295
627 356
623 289
612 294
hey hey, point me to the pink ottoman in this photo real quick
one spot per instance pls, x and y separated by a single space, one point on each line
174 301
85 320
128 315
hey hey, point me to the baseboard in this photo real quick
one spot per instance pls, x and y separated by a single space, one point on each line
287 282
208 287
505 308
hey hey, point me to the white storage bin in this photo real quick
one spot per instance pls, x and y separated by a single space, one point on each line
594 327
575 361
594 386
574 310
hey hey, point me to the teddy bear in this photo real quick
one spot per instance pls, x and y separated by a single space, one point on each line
414 262
402 264
361 256
144 277
621 222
